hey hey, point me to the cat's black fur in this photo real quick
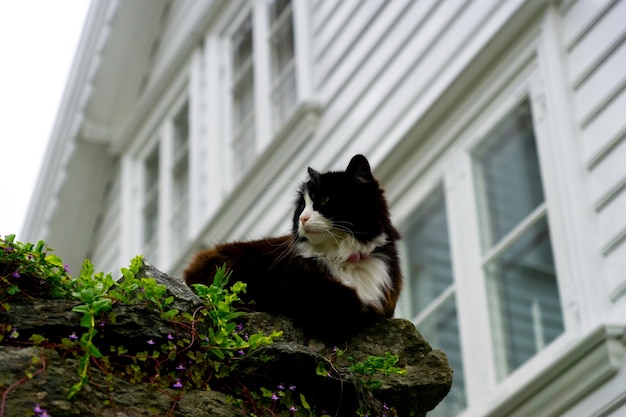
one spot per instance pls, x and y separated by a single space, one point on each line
317 274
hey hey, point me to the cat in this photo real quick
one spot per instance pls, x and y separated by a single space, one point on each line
337 271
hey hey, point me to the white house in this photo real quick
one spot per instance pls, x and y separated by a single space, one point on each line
497 127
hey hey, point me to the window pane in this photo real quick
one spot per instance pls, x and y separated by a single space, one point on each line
508 175
284 93
180 179
243 139
441 330
277 7
243 99
525 305
283 46
242 45
430 265
430 274
181 129
285 98
151 206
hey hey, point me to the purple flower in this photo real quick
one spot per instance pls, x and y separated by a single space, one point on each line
40 412
239 328
334 349
73 336
16 274
292 387
66 268
150 341
101 323
178 384
170 337
275 397
181 367
14 334
241 352
385 406
281 387
292 409
245 337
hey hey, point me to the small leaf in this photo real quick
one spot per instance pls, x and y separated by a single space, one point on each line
305 405
321 369
54 260
87 320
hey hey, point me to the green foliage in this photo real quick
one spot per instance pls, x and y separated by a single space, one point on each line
367 369
203 345
222 339
283 400
377 364
25 266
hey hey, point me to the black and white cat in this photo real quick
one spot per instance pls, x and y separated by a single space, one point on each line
337 271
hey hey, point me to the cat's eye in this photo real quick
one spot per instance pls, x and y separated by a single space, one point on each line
324 200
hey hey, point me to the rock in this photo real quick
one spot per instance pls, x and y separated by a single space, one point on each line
291 359
294 357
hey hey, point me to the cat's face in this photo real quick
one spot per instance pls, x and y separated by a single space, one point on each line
333 205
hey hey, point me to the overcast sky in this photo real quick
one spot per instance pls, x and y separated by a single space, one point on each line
38 40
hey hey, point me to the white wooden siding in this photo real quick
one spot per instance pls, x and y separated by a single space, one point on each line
594 41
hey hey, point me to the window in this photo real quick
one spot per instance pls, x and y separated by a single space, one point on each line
243 142
494 196
523 294
433 293
179 221
265 73
151 206
283 61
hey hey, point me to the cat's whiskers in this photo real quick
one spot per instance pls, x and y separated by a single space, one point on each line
286 250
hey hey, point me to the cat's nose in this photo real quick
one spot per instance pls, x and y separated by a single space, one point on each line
304 217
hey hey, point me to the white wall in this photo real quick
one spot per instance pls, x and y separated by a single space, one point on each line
594 42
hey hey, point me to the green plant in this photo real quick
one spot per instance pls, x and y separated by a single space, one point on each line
376 364
367 369
91 289
31 268
283 400
205 343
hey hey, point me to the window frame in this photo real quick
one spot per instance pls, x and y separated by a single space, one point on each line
267 127
526 86
436 183
445 155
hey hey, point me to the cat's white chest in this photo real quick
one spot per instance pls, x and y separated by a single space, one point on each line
354 264
368 277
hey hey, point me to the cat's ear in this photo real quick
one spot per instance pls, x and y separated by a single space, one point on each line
359 169
313 175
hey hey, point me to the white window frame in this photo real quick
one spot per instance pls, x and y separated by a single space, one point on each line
446 156
266 129
434 181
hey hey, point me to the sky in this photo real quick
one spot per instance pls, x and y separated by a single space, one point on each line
38 40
